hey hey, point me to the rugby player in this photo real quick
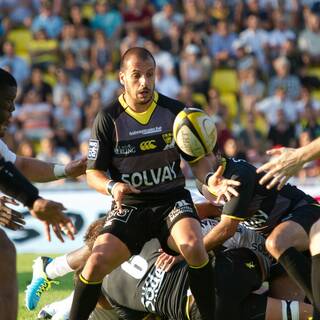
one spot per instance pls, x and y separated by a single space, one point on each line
286 162
240 268
285 216
132 141
13 183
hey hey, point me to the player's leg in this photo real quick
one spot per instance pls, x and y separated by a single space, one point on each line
260 307
186 238
45 270
286 242
315 273
108 252
8 283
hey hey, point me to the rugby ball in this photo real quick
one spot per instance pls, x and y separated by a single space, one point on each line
194 133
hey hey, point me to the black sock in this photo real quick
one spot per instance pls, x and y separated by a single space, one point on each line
298 268
315 279
85 298
201 282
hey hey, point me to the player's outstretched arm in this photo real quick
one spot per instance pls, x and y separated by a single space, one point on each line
41 171
286 163
221 188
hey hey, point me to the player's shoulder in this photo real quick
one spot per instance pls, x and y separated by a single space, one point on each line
112 110
173 105
239 167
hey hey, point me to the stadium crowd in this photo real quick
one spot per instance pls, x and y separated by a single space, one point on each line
253 65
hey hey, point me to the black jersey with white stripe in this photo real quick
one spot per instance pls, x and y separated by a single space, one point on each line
256 206
138 148
138 287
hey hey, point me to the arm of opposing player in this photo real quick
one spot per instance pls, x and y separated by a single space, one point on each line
224 230
41 171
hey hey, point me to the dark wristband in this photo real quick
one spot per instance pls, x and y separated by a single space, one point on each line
16 185
110 185
208 176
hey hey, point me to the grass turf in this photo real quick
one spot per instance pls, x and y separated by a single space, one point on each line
24 269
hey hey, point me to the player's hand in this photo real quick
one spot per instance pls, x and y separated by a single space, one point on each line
221 188
51 213
165 261
10 218
76 168
281 168
119 190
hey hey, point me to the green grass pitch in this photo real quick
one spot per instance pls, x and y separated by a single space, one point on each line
24 269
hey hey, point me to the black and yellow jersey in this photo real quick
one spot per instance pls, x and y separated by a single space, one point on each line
138 148
257 207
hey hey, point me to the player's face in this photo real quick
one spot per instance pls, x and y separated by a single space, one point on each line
7 96
138 78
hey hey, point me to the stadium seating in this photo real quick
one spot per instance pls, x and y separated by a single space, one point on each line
225 80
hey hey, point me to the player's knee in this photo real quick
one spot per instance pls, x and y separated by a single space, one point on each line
7 248
193 251
315 238
315 229
276 246
102 263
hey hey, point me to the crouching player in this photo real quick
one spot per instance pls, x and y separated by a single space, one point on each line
240 267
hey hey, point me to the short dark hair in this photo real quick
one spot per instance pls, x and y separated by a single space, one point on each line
139 52
7 79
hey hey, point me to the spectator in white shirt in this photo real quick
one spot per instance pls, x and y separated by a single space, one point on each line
167 84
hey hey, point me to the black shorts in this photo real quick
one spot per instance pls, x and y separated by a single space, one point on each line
136 225
305 216
237 273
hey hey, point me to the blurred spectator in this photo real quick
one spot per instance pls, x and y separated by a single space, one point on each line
284 79
186 97
282 133
36 83
192 70
306 100
42 50
108 19
101 51
220 11
194 16
252 141
68 115
163 58
26 149
251 89
163 20
68 38
257 39
310 169
76 17
18 66
106 87
72 68
34 116
21 14
138 14
309 121
290 50
220 45
47 20
167 84
49 152
215 108
133 39
269 107
67 85
309 39
231 149
279 34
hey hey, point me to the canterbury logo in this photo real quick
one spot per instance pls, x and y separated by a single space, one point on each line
148 145
250 265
